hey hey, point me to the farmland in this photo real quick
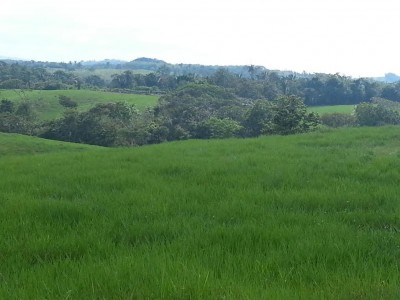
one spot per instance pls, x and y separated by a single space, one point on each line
310 216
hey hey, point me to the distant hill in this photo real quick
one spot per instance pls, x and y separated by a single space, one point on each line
2 57
111 62
157 65
15 144
144 63
389 77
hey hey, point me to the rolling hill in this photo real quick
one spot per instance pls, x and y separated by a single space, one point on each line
312 216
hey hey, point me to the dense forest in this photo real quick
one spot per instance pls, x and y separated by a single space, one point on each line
244 101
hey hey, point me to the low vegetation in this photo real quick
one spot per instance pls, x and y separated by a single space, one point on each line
310 216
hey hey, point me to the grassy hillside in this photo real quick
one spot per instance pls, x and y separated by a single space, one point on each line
47 107
346 109
311 216
14 144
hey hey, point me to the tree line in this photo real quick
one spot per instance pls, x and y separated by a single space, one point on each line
253 83
197 110
200 111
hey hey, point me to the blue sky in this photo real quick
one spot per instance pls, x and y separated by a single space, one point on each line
351 37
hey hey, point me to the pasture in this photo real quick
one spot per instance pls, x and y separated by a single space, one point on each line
46 105
312 216
345 109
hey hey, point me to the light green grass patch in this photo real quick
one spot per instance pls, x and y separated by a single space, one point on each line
46 105
15 144
345 109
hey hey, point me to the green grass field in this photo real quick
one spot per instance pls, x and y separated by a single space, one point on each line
345 109
12 144
313 216
46 105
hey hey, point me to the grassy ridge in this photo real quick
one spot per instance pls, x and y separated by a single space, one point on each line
311 216
345 109
13 144
47 107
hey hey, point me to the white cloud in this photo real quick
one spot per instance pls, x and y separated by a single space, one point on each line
352 37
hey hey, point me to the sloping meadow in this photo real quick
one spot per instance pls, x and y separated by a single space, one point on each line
312 216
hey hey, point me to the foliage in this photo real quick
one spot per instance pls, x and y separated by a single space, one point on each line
12 84
219 128
106 124
67 102
6 106
260 118
186 111
291 116
94 81
251 82
19 119
369 114
388 104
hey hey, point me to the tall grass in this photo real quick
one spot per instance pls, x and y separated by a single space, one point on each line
312 216
13 144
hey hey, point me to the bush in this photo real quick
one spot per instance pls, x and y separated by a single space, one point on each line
219 128
6 106
338 120
368 114
67 102
12 84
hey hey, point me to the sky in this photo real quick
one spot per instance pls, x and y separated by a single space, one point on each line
356 38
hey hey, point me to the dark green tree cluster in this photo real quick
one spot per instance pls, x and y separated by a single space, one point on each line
207 111
21 76
251 82
317 89
110 124
67 102
17 118
375 113
371 114
156 82
200 111
186 112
